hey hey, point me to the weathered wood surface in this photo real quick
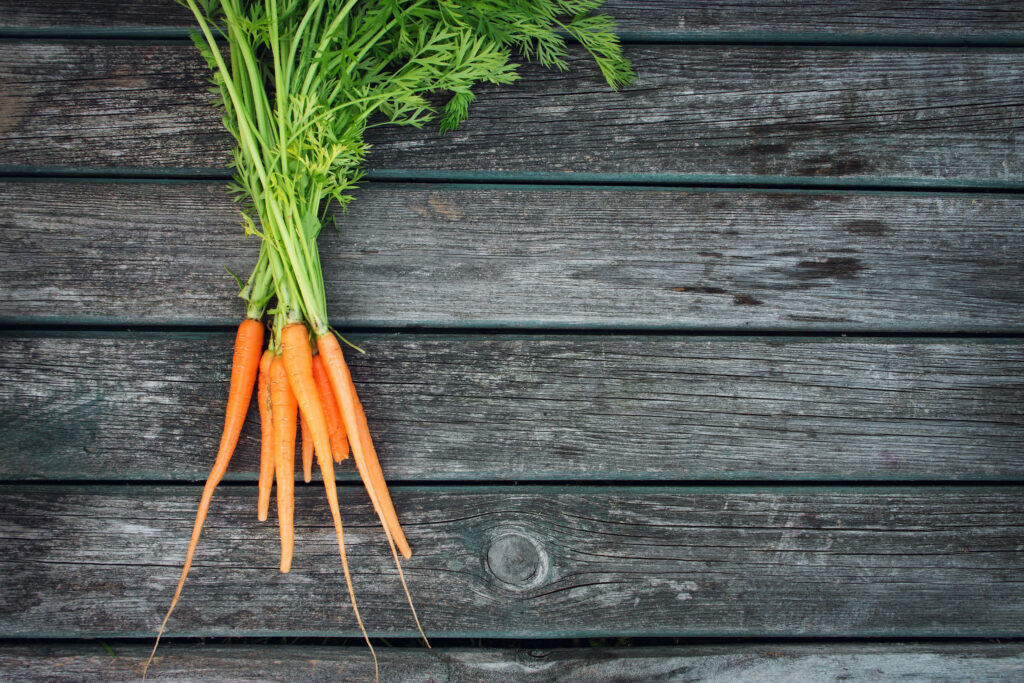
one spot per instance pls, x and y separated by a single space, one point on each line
86 561
865 115
761 663
537 256
863 20
500 408
524 561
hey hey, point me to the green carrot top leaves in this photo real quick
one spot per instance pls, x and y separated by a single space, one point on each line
304 80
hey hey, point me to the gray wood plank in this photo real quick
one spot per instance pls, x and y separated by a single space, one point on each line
719 112
104 15
500 408
663 19
524 562
769 662
555 257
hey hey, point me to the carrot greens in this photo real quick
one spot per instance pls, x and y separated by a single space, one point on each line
300 82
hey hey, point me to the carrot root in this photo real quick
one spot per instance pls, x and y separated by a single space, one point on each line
327 471
335 426
244 367
366 457
359 437
299 362
307 450
266 481
284 408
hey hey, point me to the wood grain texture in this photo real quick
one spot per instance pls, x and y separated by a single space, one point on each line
865 115
500 408
769 662
108 15
851 19
124 104
99 562
458 256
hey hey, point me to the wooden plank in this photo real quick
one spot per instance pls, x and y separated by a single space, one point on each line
862 20
772 662
112 16
493 408
557 257
524 562
719 112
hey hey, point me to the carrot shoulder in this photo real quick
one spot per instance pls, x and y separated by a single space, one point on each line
284 408
244 366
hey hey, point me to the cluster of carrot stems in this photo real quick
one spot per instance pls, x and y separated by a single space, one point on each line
300 81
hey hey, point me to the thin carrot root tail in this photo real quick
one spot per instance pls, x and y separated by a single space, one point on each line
327 473
366 458
405 587
355 606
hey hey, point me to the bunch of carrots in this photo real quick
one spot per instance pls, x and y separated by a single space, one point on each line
300 81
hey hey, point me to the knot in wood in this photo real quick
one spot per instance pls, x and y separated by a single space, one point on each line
515 559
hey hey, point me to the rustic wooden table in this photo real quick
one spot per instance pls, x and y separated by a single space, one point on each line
723 371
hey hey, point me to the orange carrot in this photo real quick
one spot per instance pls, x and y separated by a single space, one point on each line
307 450
299 361
267 437
358 436
365 456
244 366
284 408
335 427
